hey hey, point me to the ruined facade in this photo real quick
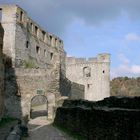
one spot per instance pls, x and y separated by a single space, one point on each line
34 60
35 68
93 73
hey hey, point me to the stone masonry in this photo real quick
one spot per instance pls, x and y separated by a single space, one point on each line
34 60
36 65
93 73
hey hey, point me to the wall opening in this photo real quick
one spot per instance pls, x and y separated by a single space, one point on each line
45 53
43 35
88 86
31 26
36 30
51 40
56 42
103 71
0 14
21 16
39 106
37 49
51 56
87 72
27 44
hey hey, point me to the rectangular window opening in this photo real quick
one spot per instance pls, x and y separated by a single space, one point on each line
21 16
31 24
55 42
50 39
36 30
43 35
0 14
51 56
88 86
27 44
37 49
45 53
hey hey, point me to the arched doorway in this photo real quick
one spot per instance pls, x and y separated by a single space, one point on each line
39 106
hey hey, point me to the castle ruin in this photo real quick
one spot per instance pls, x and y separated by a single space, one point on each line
93 73
37 72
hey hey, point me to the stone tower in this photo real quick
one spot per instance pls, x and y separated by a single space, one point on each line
93 73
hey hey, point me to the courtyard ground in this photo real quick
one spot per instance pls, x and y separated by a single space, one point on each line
41 129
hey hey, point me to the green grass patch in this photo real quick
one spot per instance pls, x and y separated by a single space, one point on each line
5 121
70 133
29 64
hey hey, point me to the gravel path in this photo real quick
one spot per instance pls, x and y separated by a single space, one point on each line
41 129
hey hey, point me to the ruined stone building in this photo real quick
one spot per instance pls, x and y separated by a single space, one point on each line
93 73
35 68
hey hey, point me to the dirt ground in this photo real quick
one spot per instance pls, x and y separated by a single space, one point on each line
41 129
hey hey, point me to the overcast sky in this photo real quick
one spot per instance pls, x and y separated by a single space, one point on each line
89 27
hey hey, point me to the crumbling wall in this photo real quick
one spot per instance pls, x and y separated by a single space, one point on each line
26 43
93 73
34 59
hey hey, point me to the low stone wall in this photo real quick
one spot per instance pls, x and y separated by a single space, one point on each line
99 122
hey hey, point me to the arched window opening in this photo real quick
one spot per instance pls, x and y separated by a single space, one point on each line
87 72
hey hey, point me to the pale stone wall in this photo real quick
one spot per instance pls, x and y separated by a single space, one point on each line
93 73
22 85
26 43
34 60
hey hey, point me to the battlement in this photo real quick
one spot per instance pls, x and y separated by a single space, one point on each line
15 14
99 59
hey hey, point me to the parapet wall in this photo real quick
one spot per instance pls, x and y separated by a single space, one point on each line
101 58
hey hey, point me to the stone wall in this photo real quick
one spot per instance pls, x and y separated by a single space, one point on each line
23 84
26 43
1 73
34 60
77 91
70 89
101 122
93 73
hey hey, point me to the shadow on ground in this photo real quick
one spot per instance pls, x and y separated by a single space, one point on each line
42 129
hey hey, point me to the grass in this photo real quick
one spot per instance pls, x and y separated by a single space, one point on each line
29 64
5 121
70 133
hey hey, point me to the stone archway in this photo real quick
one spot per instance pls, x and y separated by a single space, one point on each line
39 106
